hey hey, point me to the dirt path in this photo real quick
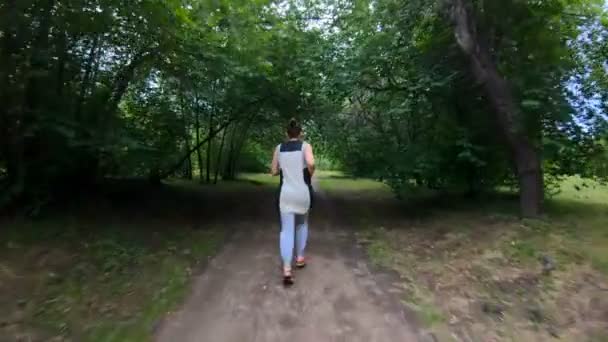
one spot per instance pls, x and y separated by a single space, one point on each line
336 298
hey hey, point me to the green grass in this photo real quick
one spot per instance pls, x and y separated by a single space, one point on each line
427 312
487 254
244 182
580 212
116 286
260 179
576 225
381 253
352 185
338 182
163 278
330 181
113 279
91 279
378 250
583 190
330 174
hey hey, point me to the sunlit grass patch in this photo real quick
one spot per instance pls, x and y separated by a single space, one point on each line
331 174
583 190
580 210
244 182
260 179
494 275
329 181
337 182
352 184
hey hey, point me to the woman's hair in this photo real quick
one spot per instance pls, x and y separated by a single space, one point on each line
293 128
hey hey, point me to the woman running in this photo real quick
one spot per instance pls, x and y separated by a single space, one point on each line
293 160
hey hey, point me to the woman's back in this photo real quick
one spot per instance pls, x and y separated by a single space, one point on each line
295 188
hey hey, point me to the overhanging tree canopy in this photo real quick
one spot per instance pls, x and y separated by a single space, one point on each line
442 93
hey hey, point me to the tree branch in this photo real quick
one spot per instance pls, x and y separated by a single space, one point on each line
211 135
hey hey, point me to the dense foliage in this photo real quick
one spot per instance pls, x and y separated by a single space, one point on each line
418 110
92 89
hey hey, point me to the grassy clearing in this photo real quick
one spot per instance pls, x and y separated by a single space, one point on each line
245 182
331 181
477 272
107 276
340 184
260 179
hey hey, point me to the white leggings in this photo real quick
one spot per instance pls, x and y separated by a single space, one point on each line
293 226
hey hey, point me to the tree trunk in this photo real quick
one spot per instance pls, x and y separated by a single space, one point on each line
124 77
218 161
221 127
237 151
187 135
86 79
180 161
11 112
88 163
154 177
209 146
228 169
38 59
27 150
95 71
15 162
507 113
188 161
199 156
62 52
240 142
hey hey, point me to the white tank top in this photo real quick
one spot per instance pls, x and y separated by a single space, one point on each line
295 191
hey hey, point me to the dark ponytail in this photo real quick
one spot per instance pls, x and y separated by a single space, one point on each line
294 129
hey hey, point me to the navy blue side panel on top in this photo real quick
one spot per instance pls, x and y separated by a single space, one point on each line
308 181
307 177
291 146
278 195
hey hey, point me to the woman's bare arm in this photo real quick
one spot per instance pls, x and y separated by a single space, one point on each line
310 159
274 167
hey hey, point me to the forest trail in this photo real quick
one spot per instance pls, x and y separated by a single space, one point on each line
239 297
